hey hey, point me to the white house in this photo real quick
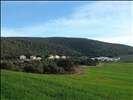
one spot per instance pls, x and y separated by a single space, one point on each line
56 57
32 57
100 58
22 57
93 58
106 59
115 59
38 58
63 57
110 59
51 57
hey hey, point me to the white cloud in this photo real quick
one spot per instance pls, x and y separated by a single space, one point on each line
109 21
117 39
10 32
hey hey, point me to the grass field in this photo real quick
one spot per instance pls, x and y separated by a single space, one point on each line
111 81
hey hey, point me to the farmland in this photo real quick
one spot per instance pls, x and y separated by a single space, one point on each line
111 81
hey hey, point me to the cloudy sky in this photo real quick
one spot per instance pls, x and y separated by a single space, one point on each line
109 21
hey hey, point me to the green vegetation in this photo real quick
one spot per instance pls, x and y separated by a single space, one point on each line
7 66
13 47
45 66
111 81
127 58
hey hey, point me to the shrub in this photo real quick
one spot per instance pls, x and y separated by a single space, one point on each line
29 68
67 64
61 70
88 62
51 68
33 69
7 66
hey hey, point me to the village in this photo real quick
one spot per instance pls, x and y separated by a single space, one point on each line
23 57
107 59
102 59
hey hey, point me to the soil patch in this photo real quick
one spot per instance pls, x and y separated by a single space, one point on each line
79 70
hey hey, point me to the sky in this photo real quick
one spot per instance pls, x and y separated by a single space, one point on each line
107 21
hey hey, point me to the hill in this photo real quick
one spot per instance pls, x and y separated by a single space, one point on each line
13 47
93 48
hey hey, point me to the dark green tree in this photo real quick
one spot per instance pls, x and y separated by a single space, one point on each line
67 64
7 66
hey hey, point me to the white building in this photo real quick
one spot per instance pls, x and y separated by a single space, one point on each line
38 58
63 57
51 57
56 57
32 57
110 59
115 59
101 58
106 59
22 57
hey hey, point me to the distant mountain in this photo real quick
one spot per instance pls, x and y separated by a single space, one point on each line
13 47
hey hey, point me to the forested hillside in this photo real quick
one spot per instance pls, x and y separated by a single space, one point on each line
93 48
13 47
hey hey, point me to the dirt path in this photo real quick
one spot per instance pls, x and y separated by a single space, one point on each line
79 70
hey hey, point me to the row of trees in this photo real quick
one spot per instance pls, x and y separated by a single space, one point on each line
63 66
50 66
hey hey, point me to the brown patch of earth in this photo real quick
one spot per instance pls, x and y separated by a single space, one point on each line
79 70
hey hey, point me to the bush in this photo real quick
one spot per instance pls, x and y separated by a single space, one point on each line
7 66
29 68
88 62
61 70
67 64
51 68
33 69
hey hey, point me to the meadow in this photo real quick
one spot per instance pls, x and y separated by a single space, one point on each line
111 81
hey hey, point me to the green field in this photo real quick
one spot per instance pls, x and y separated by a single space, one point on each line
111 81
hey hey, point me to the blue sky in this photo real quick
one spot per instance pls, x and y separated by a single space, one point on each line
109 21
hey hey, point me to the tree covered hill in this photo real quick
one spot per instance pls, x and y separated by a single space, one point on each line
93 48
13 47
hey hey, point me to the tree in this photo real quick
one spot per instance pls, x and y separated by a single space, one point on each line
97 61
88 62
33 68
67 64
7 66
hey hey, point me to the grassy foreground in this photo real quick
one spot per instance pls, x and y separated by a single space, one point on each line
112 81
